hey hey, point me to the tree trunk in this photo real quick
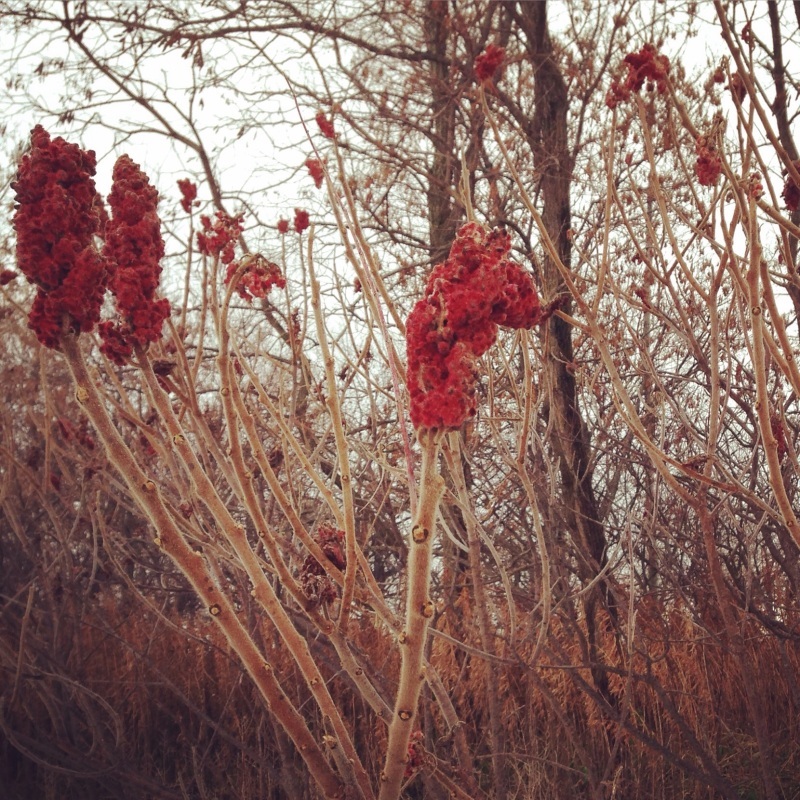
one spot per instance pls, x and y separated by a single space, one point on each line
443 213
569 437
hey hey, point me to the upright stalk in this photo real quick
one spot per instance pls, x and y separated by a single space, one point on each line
342 450
493 700
419 610
192 564
263 590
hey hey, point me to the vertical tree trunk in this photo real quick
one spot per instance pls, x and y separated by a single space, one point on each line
570 440
443 213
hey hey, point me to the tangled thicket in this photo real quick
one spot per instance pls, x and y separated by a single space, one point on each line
549 549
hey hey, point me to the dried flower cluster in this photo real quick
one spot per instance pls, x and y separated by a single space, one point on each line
317 586
188 194
489 62
57 217
737 87
219 238
134 249
708 165
258 277
646 65
301 220
78 433
791 191
476 289
754 185
325 126
779 432
416 754
316 171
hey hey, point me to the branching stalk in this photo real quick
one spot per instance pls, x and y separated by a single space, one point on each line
342 450
192 565
419 611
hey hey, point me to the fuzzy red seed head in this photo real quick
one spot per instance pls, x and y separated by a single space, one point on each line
283 226
791 192
755 186
188 194
518 304
116 344
325 126
218 238
134 249
476 289
708 165
316 171
416 754
488 62
58 214
648 65
257 279
301 220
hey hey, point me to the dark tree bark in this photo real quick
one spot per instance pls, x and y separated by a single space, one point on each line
548 138
443 212
553 162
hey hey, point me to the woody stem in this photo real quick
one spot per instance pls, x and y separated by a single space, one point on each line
419 610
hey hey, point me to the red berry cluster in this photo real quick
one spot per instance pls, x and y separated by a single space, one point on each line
188 194
325 126
257 279
316 585
791 191
219 238
476 289
316 171
708 165
301 220
646 65
416 754
134 249
488 62
57 216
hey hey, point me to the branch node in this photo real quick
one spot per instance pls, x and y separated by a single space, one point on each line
420 534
